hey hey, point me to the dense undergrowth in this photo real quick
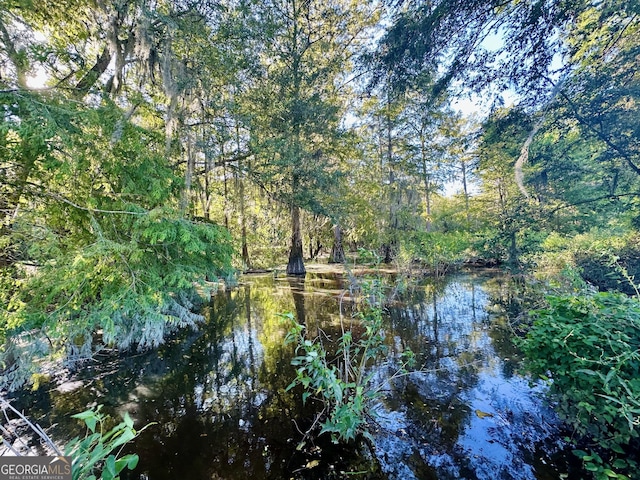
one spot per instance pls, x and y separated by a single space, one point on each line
578 310
588 347
586 344
111 291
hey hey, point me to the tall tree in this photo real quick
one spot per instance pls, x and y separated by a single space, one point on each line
430 130
500 200
299 106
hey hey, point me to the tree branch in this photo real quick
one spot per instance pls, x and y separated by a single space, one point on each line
599 134
597 199
91 77
60 198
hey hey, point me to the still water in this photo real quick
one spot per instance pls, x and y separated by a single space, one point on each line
217 399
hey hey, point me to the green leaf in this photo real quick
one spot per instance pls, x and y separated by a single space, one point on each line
110 466
619 463
132 461
91 423
127 420
85 414
126 436
617 448
291 385
121 463
90 418
580 453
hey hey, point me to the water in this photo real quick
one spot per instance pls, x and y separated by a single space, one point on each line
220 410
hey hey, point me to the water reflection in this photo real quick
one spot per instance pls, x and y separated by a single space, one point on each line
221 410
467 414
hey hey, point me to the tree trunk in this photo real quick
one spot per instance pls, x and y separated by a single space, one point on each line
226 188
427 183
513 249
91 77
387 251
314 251
388 246
466 193
245 249
427 193
243 214
296 261
337 251
188 177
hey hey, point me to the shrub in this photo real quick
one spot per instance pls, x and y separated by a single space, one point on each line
132 288
589 346
438 250
98 453
608 260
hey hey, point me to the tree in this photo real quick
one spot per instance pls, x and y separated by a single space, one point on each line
501 201
95 239
464 159
431 133
298 103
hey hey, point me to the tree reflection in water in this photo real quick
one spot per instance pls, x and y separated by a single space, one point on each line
218 394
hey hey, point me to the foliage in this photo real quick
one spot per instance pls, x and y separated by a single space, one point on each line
368 257
612 267
589 346
111 255
608 258
571 128
343 401
101 449
342 385
296 105
439 251
133 292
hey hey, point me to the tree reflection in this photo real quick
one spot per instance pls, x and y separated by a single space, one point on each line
218 395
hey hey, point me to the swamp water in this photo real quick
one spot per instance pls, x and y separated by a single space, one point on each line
220 410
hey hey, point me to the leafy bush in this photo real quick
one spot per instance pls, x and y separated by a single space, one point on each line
343 413
513 245
100 450
95 234
370 257
98 453
608 260
438 250
589 346
612 267
133 287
